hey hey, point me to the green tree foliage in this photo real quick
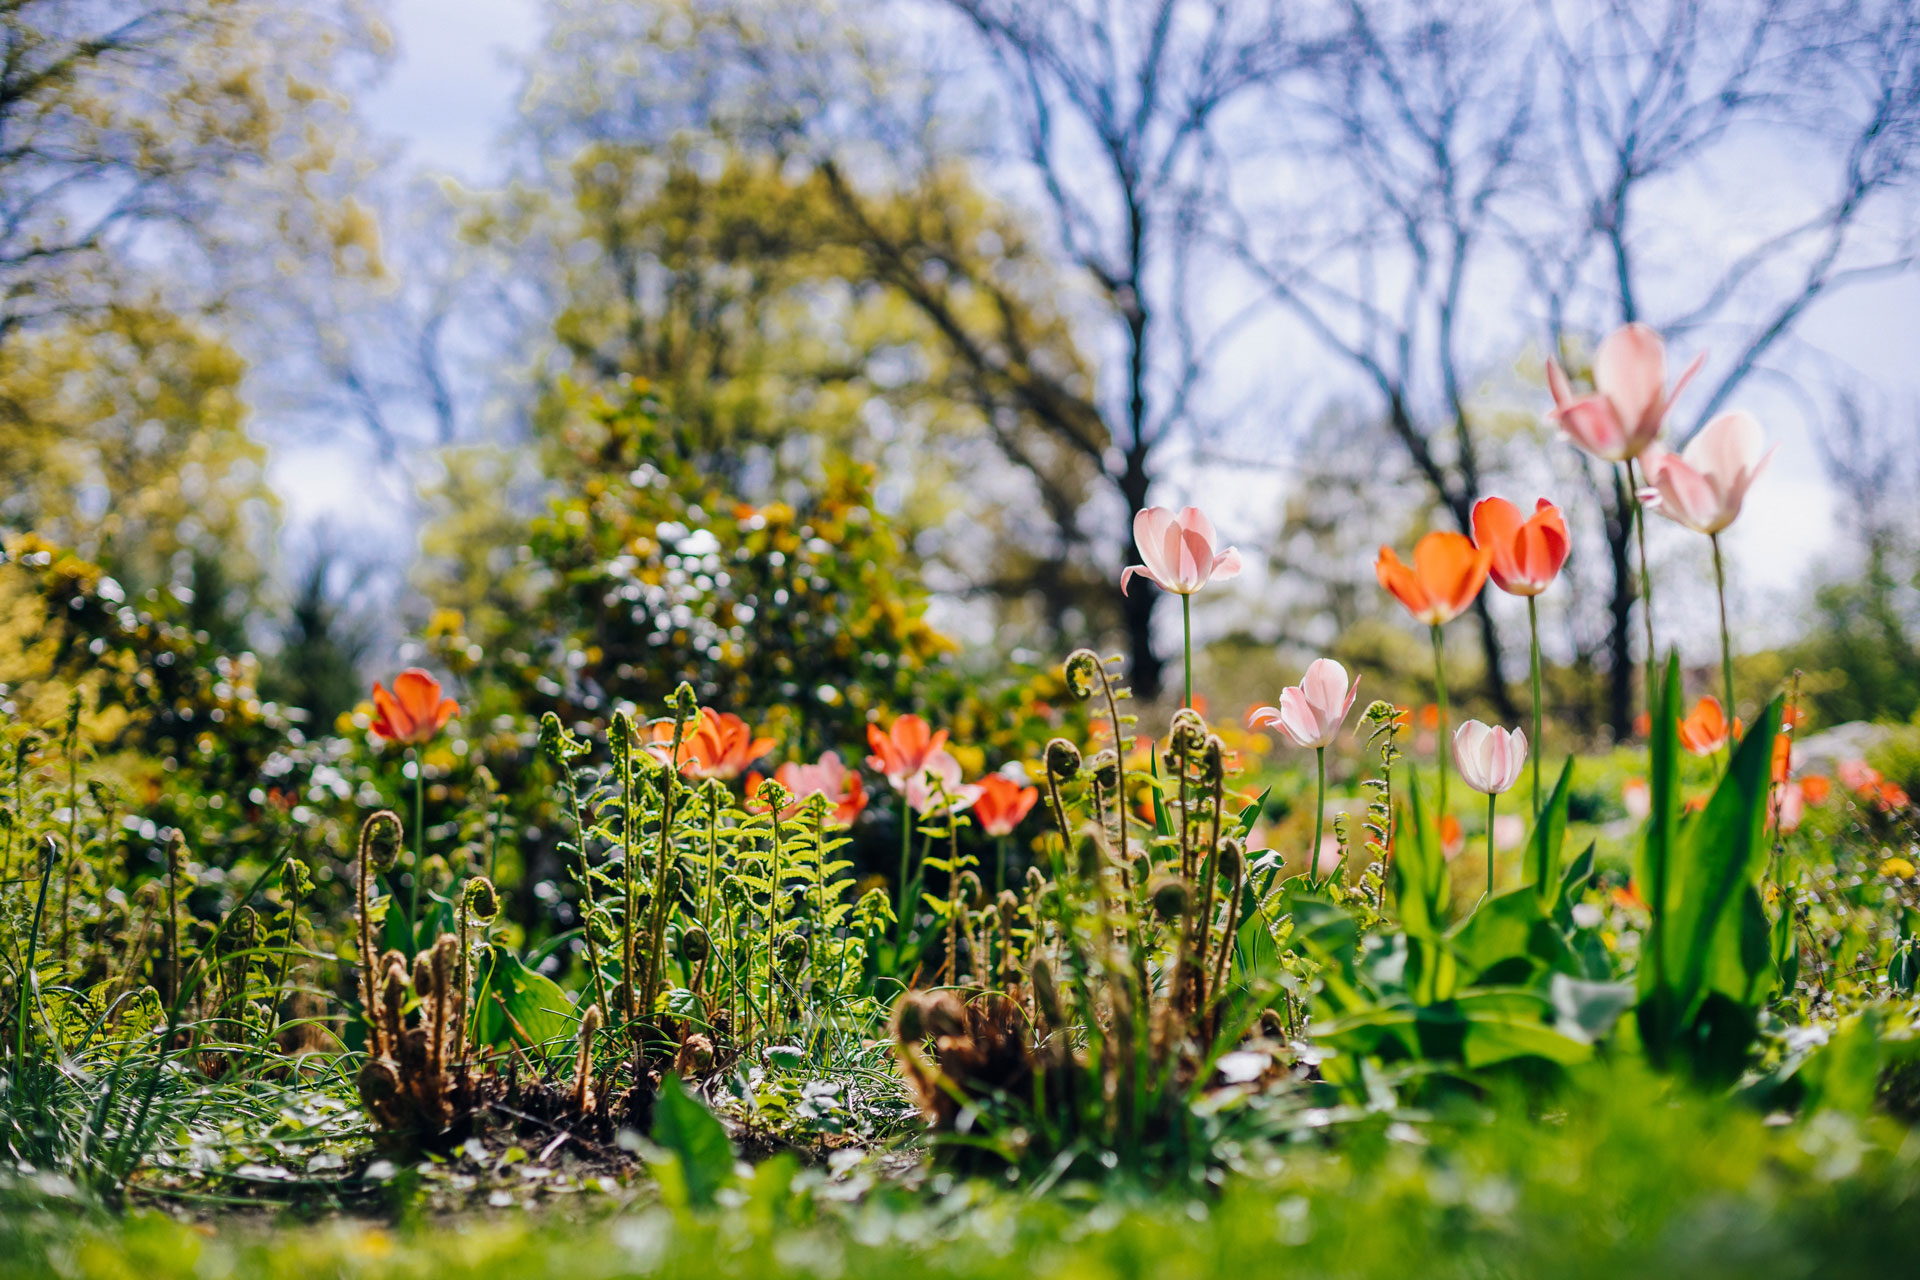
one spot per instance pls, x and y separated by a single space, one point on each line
645 572
786 305
125 438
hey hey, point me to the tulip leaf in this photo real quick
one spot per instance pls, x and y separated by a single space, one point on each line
1549 834
1710 954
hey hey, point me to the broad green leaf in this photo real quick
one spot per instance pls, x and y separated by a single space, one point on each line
696 1139
1588 1010
517 1004
1549 833
1716 938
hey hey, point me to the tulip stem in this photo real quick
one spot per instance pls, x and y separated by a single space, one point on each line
906 863
1533 626
1319 814
1440 701
1646 575
1493 798
419 846
1186 627
1726 640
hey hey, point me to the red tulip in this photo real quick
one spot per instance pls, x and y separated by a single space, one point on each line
1177 551
718 744
1816 787
1447 573
414 711
1623 415
1703 485
902 752
1526 551
1002 804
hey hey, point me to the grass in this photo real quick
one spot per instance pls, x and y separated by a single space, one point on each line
1626 1177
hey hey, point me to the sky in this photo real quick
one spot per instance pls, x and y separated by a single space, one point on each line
450 94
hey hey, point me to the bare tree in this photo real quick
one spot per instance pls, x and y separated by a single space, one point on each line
1407 152
1117 111
1447 201
1818 103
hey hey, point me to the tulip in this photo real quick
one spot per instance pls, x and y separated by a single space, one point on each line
1003 803
1527 554
1789 806
1621 420
1447 573
902 752
1311 714
717 744
1637 797
938 786
1177 552
1816 787
1702 487
842 787
411 715
1858 775
414 712
1490 760
1705 730
1622 417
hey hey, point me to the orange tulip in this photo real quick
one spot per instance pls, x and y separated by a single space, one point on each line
1526 551
414 711
1815 788
1447 573
903 751
1782 756
1453 837
1705 729
718 744
1629 896
1002 804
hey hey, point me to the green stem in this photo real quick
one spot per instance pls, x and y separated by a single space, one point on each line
1319 814
1492 799
419 838
1646 575
1726 637
906 864
1533 625
1440 688
1186 626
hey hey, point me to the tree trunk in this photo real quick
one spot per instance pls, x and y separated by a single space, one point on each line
1137 605
1619 521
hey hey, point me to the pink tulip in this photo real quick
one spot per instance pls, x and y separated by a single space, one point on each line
1630 397
1312 711
1489 758
1790 806
938 786
1177 552
1704 484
